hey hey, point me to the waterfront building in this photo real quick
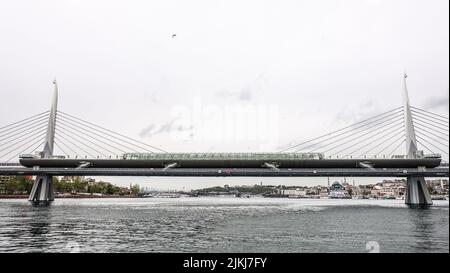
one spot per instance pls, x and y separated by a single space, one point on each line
297 193
389 188
72 178
3 180
338 191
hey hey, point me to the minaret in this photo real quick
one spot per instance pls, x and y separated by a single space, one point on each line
411 144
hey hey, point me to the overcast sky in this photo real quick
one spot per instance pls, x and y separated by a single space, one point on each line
305 67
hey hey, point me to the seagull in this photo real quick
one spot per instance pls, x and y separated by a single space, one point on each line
174 35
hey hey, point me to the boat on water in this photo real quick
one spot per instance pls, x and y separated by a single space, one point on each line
162 195
439 197
148 195
168 195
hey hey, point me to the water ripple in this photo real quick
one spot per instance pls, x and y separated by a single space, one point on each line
221 225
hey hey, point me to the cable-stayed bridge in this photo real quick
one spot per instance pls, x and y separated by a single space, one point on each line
404 142
381 136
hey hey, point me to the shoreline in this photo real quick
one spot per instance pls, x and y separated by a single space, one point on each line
17 196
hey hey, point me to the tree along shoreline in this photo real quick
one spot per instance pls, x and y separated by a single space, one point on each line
72 196
74 187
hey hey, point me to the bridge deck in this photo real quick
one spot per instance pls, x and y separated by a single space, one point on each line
217 162
222 172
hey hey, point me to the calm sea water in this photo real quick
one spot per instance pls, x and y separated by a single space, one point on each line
219 224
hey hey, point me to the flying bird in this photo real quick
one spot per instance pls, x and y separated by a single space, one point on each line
174 35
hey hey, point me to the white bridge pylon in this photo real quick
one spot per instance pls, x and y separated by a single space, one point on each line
42 191
417 193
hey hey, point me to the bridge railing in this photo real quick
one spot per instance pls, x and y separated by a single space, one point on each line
10 164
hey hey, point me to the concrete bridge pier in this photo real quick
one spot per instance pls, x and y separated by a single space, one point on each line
417 195
42 191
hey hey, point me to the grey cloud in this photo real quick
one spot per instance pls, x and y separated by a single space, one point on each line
361 112
146 130
244 95
439 102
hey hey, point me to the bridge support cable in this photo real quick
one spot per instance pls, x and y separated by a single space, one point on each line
57 140
74 133
118 136
357 134
425 146
39 143
442 118
443 151
65 141
34 141
20 140
78 141
420 129
422 139
24 121
379 141
431 131
371 134
345 136
26 132
361 141
22 144
434 130
345 130
434 126
396 148
350 131
431 117
422 134
61 149
434 122
376 139
13 133
102 139
13 145
402 137
431 123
